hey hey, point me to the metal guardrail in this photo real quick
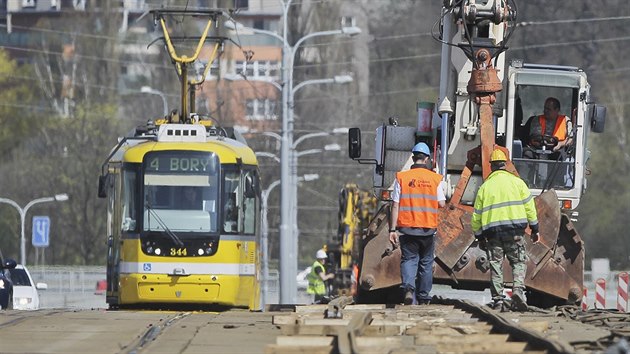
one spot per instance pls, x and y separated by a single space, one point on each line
68 278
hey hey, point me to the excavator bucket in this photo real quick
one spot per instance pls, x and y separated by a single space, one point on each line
556 264
380 266
554 267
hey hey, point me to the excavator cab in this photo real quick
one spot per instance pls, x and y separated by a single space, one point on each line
538 164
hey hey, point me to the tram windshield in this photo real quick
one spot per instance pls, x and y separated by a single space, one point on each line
181 192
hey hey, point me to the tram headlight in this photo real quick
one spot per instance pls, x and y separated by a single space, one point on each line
149 249
200 251
158 251
208 250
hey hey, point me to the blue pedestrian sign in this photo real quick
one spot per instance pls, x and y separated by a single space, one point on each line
41 231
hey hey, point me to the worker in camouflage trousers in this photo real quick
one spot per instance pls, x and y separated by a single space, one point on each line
503 208
514 250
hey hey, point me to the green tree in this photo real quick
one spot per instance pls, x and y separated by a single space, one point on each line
603 208
18 112
77 78
17 103
599 46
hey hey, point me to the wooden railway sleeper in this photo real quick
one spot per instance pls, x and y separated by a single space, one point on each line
336 306
346 337
504 325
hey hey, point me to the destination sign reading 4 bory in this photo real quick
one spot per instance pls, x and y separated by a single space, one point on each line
169 162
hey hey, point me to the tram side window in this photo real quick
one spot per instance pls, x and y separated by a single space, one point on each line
249 202
230 207
129 201
111 205
239 212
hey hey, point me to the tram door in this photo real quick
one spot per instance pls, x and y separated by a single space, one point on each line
113 233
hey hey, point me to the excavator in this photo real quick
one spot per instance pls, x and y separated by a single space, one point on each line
356 207
483 104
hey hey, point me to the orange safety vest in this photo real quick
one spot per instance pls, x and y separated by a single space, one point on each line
559 131
418 204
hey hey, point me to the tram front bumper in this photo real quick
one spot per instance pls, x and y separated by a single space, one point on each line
163 288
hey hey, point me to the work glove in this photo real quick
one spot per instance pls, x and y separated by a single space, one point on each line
483 242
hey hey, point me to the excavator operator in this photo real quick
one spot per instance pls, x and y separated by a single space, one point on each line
547 133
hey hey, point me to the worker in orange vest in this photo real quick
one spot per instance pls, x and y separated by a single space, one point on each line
551 125
418 194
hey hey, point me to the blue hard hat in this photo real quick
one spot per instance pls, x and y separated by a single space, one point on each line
421 148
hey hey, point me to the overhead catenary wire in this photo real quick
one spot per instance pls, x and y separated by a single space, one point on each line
325 43
86 57
412 57
161 3
409 57
413 90
390 59
571 21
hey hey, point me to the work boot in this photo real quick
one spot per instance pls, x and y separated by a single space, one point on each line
424 301
518 300
496 304
409 295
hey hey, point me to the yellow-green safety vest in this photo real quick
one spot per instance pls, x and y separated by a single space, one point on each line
315 283
503 205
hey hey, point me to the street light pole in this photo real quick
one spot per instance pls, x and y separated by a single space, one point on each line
265 241
288 248
267 154
288 227
288 281
22 211
294 170
265 230
288 169
292 243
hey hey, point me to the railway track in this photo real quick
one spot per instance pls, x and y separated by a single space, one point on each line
449 326
445 326
452 326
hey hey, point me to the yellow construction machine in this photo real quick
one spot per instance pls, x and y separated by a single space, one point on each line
356 208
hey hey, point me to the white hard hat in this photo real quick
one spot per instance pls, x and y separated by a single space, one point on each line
321 254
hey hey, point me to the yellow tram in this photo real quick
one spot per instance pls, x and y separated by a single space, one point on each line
183 213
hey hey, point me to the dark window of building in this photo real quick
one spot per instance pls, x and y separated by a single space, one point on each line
241 4
259 24
348 21
250 107
274 69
